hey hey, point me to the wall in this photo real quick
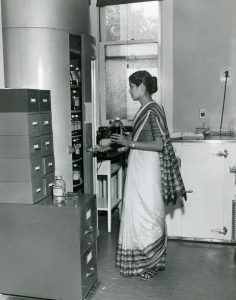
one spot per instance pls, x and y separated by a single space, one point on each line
204 43
2 83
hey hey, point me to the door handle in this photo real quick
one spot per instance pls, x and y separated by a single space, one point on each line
224 154
223 230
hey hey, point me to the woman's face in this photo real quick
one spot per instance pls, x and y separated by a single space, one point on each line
135 91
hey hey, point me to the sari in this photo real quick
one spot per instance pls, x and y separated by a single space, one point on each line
149 185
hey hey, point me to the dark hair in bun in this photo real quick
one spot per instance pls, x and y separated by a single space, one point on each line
146 79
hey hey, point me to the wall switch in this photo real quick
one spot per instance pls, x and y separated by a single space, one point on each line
202 113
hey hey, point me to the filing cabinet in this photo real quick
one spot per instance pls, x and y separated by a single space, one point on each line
26 145
80 209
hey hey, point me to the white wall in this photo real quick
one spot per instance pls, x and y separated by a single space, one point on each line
2 83
204 42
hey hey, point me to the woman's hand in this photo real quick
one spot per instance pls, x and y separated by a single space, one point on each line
120 139
101 149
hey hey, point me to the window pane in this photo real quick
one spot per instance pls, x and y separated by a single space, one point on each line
118 68
134 21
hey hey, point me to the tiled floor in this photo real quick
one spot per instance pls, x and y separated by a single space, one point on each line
195 271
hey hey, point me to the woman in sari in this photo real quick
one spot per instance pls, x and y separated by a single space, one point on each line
153 180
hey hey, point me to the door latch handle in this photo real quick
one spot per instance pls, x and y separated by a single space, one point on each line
223 230
224 154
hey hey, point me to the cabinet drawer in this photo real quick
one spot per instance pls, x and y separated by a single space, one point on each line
20 169
35 147
36 169
89 269
37 190
44 100
88 224
48 164
47 144
46 122
48 182
20 147
21 192
19 100
19 123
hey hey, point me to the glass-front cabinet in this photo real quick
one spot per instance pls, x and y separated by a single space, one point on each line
76 112
82 48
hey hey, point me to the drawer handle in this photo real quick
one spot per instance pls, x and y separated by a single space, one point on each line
189 191
33 100
89 274
90 230
34 123
46 123
47 143
45 100
50 164
37 168
51 184
36 147
38 190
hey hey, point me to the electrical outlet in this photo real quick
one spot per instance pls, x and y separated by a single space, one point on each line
202 113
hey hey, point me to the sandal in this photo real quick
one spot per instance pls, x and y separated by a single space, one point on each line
149 273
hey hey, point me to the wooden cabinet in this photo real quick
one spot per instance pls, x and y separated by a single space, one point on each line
26 145
53 244
207 214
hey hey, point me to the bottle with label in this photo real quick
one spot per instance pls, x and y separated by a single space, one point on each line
59 188
117 126
73 75
78 75
76 174
76 148
75 100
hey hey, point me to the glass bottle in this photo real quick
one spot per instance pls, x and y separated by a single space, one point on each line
76 174
75 100
73 75
59 188
117 126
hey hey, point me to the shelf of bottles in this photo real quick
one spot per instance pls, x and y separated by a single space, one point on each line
76 112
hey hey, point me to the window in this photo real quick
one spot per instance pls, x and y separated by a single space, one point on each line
129 42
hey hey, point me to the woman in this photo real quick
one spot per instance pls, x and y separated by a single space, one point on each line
153 180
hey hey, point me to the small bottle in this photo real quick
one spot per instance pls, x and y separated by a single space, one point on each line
73 75
59 188
78 74
117 126
76 174
75 100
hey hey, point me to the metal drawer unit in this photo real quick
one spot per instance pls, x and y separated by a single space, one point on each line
45 241
26 145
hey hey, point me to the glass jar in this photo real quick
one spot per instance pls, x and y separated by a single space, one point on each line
117 126
59 188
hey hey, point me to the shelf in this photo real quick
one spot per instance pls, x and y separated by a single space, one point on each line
75 51
78 185
77 160
76 135
73 86
76 111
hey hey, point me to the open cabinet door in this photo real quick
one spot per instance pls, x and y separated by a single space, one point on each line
88 96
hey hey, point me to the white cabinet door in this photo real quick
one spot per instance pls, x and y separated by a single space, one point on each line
229 190
174 213
203 174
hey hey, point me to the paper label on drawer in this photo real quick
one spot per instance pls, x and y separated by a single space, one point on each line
88 214
89 257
